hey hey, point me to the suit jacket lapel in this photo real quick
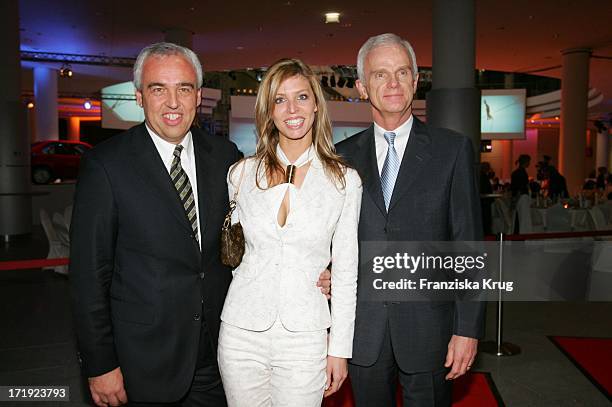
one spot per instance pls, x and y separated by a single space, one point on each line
415 160
367 166
149 165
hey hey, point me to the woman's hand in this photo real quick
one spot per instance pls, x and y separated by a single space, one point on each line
337 372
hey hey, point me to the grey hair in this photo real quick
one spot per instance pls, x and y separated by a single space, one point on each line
381 41
165 49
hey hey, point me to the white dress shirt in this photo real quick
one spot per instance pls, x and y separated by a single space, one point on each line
166 152
402 133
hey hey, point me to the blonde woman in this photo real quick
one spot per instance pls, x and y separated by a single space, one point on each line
299 206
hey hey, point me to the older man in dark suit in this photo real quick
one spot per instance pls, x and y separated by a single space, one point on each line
418 186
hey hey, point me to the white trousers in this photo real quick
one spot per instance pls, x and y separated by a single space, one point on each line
275 367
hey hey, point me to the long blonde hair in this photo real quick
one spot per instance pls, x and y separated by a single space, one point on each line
268 135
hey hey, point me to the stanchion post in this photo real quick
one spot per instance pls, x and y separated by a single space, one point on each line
499 347
500 304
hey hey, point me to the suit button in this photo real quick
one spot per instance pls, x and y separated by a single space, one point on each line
196 317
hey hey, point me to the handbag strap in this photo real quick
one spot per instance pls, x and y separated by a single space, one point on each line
232 204
239 182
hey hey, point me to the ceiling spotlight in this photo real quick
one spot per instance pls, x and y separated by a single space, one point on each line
30 105
65 71
332 17
87 104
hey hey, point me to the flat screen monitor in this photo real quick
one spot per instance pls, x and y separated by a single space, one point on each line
502 114
119 107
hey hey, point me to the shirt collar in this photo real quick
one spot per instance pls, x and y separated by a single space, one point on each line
166 149
315 160
402 131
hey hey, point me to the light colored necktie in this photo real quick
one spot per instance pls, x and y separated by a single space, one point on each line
183 187
390 169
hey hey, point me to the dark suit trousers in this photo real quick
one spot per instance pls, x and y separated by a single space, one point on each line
376 385
206 390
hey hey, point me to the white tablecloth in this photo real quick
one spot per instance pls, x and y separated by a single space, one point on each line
578 220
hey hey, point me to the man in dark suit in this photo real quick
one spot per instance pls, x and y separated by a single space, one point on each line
419 185
147 282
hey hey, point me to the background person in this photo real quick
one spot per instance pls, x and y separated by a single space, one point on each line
519 180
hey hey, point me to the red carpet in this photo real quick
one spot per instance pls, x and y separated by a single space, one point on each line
32 264
592 356
471 390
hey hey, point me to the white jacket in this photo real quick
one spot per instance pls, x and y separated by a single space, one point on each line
281 266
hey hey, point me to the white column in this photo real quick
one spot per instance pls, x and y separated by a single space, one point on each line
45 103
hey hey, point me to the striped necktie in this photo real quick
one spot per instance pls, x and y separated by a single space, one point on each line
390 169
183 187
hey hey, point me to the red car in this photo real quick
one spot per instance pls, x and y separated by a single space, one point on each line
53 159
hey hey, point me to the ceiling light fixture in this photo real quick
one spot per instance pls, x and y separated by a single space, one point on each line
87 105
65 71
332 17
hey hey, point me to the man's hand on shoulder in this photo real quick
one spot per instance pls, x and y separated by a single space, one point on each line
107 389
460 356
